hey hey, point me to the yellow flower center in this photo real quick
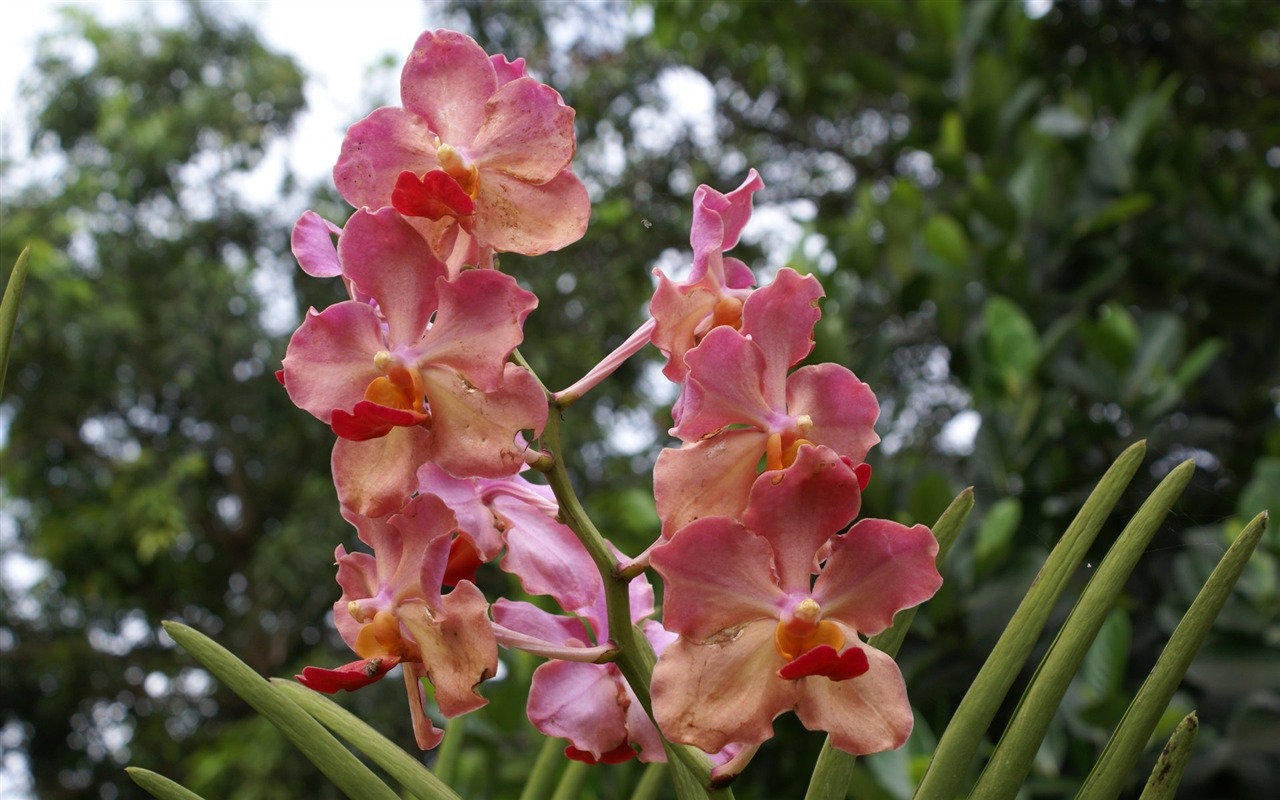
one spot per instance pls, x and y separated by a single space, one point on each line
456 166
400 388
804 629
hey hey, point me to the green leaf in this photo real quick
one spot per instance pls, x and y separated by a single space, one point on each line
995 535
338 764
1060 122
1013 756
963 736
833 773
1167 773
9 309
946 239
1012 345
159 786
402 766
1125 746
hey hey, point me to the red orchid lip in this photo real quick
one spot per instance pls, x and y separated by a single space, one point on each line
823 660
349 677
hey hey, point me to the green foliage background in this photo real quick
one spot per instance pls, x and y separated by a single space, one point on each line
1065 225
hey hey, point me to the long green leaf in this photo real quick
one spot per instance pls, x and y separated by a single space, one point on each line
407 770
961 739
1167 774
1012 758
1139 720
158 786
542 780
339 765
834 769
9 309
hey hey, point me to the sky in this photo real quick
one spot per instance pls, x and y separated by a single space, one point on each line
335 49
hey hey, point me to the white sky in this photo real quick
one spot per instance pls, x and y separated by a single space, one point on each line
335 43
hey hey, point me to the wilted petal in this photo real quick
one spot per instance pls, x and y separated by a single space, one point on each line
457 645
473 433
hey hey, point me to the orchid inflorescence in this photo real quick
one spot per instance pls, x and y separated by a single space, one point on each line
771 583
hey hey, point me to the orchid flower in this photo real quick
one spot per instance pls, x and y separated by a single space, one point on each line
414 368
740 407
717 287
478 156
760 637
392 612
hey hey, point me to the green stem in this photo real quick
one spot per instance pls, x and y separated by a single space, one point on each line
446 768
636 657
650 783
571 779
543 776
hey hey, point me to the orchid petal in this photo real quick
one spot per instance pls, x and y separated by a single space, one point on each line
312 244
799 508
581 703
710 478
874 571
329 361
513 216
712 604
376 150
477 326
867 714
473 433
713 693
375 477
446 81
726 386
457 645
842 408
388 260
527 132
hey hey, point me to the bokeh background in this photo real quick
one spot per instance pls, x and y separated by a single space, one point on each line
1046 230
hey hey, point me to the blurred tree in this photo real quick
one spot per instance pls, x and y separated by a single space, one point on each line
1041 237
150 460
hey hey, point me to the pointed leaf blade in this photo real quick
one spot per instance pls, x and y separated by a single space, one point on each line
964 734
1126 744
1013 756
338 764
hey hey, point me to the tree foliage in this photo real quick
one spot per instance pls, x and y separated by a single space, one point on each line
1063 230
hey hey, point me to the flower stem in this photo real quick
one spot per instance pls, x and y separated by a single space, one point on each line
636 657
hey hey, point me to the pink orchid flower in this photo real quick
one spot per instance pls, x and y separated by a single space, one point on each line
392 612
479 155
740 406
759 637
414 368
714 293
